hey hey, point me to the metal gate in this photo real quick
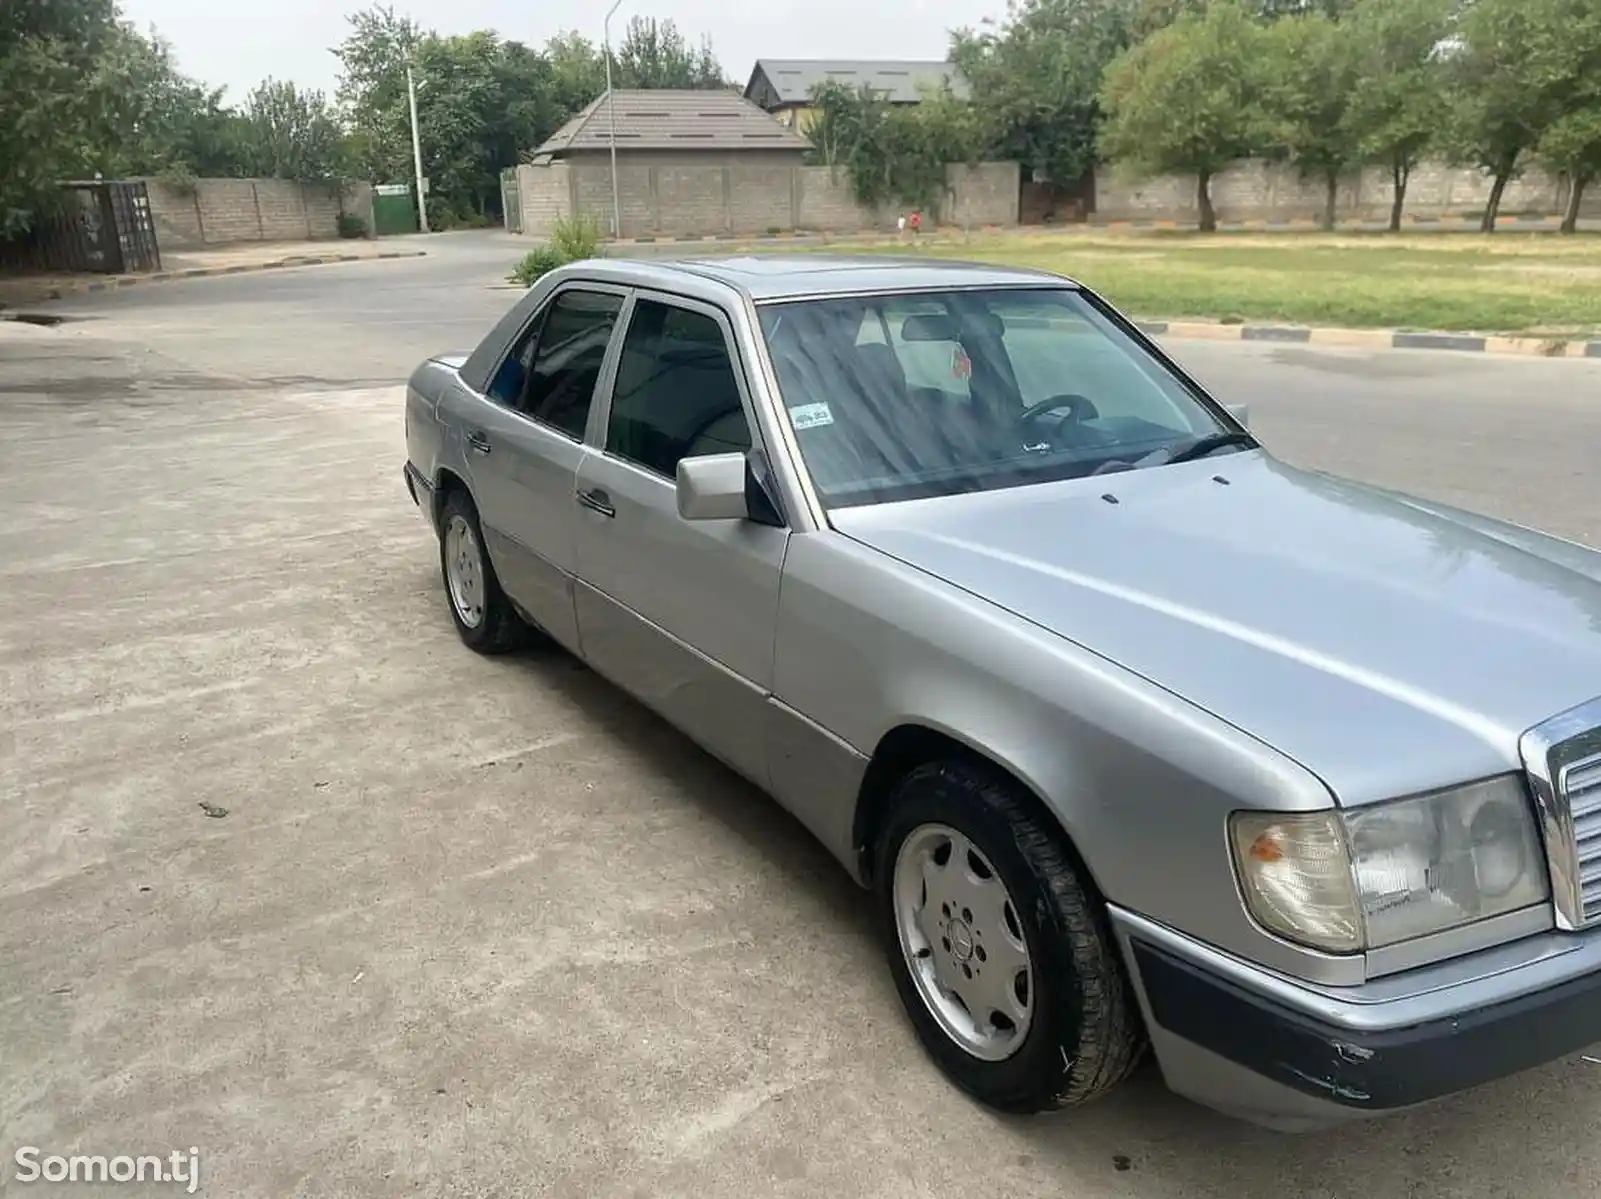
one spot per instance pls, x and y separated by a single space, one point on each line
134 226
98 226
511 203
392 210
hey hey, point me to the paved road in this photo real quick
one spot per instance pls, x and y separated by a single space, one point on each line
475 928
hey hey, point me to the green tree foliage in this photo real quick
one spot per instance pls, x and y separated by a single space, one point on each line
372 90
653 54
483 102
1519 70
1309 77
1039 78
895 154
84 93
1189 99
1398 104
58 102
292 134
1572 145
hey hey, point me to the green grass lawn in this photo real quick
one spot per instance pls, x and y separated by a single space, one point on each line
1536 284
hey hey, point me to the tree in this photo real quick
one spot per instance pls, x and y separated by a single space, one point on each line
1152 15
653 54
483 102
55 101
372 91
1037 80
1310 79
1573 146
1188 99
894 153
1399 105
291 134
577 71
1516 72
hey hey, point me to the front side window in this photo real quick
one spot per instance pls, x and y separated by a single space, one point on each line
677 395
934 393
550 375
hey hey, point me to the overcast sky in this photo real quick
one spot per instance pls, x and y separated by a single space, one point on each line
236 45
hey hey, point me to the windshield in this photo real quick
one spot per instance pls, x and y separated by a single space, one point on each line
931 393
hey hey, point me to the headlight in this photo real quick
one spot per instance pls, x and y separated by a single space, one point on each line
1363 878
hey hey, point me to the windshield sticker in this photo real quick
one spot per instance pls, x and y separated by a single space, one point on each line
809 416
961 364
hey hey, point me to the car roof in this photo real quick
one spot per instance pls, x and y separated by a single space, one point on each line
798 276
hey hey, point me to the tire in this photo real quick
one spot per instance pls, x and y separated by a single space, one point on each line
484 618
1079 1032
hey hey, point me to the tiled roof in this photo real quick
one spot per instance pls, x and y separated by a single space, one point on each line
673 120
792 78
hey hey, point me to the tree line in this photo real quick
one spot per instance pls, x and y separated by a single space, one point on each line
1190 86
83 93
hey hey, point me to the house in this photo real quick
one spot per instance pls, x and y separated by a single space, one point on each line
783 86
688 162
672 123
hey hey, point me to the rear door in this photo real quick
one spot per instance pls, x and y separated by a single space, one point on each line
523 442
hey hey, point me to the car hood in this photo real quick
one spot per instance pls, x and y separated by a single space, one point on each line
1386 647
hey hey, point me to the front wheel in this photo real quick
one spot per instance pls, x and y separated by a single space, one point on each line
1001 955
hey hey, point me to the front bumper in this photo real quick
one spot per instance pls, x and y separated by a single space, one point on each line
1279 1053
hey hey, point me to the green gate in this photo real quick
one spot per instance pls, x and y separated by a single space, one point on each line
392 209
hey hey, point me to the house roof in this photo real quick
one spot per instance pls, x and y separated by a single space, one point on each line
793 78
672 120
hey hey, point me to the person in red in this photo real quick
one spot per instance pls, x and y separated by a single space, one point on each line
916 222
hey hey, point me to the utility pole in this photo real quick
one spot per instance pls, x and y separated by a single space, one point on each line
611 109
416 150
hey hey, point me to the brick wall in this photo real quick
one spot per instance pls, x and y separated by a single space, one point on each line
828 202
668 194
545 194
222 211
983 194
1255 190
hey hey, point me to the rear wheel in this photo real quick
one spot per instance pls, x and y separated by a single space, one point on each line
998 947
484 618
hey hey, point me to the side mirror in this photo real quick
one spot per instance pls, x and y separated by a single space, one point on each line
1240 412
712 487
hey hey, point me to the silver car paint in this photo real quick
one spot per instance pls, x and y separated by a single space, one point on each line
1390 652
1108 655
679 613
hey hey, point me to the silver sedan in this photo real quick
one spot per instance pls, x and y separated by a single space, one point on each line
1137 735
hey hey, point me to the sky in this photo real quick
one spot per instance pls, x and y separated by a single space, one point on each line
237 45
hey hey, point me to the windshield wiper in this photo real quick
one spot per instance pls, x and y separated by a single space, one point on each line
1199 448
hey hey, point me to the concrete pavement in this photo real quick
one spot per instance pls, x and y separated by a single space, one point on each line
17 292
486 928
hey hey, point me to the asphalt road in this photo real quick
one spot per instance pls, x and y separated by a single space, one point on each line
475 928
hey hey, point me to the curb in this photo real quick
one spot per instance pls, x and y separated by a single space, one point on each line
1377 339
1464 220
118 282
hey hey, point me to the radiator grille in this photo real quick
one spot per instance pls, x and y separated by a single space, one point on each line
1580 786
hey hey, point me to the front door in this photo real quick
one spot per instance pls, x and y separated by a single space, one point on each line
524 442
682 614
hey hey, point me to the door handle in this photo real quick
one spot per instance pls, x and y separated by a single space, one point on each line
477 441
596 500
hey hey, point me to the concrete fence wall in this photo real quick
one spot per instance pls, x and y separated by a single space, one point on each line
1254 190
222 211
689 194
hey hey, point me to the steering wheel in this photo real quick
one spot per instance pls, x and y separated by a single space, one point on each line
1075 409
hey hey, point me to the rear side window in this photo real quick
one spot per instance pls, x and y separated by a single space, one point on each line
676 395
550 375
